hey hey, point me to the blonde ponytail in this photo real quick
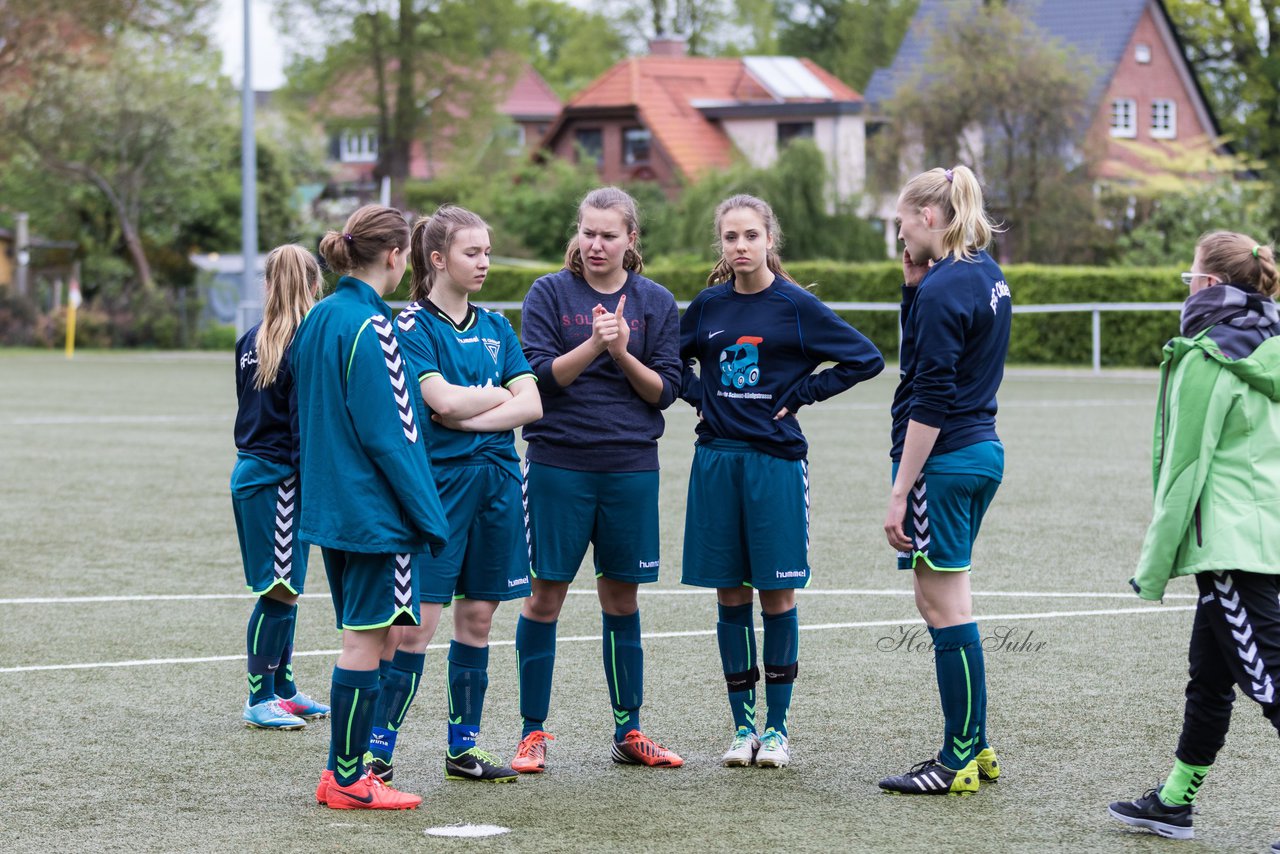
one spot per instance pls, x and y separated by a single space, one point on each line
292 277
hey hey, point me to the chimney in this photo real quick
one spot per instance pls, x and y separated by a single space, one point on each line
668 46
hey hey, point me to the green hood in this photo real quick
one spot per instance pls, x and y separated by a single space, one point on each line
1260 369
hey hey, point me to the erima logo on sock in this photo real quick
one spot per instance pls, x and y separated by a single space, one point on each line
649 564
791 573
516 582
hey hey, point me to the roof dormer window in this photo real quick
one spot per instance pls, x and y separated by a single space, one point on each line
1142 53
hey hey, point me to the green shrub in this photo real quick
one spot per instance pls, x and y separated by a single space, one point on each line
217 336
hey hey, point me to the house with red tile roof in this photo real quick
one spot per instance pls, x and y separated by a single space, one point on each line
672 118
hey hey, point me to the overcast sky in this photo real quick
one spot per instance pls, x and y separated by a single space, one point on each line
268 53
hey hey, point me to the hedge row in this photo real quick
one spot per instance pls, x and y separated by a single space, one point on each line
1128 338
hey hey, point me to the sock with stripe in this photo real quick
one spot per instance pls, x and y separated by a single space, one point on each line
624 671
737 638
399 686
467 680
267 630
957 659
353 695
285 687
535 665
1183 783
781 651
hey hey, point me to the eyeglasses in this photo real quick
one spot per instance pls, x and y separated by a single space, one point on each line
1189 277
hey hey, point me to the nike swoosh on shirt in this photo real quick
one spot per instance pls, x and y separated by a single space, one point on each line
714 334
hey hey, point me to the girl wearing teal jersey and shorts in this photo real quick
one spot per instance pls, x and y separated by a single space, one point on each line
368 495
947 458
264 492
602 340
479 388
759 340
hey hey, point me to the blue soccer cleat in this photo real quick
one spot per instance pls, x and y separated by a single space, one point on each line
304 707
270 714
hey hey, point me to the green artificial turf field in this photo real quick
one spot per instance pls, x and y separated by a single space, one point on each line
122 622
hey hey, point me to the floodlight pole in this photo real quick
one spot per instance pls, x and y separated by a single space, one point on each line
250 308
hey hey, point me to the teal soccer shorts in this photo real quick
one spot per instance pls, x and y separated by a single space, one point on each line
487 556
615 512
372 591
746 520
947 504
266 511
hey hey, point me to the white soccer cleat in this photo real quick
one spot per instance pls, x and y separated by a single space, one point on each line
774 750
743 750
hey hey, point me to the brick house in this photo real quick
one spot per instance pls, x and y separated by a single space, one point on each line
669 118
1146 91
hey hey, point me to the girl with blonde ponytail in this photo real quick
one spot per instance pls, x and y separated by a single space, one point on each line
947 457
759 338
264 491
1217 508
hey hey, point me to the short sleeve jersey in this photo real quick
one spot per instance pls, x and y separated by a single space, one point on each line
481 351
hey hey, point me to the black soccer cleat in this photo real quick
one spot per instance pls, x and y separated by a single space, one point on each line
931 777
1150 813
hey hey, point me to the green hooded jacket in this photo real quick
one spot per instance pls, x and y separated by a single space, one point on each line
1216 464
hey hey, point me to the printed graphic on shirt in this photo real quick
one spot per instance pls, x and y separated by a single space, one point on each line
494 347
999 289
250 357
740 362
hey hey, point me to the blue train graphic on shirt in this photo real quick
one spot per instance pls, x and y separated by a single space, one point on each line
740 362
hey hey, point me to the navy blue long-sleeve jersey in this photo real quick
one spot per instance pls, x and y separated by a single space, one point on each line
267 419
955 336
758 353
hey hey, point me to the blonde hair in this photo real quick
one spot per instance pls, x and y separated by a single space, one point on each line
723 271
607 199
435 234
369 232
956 196
1239 258
292 276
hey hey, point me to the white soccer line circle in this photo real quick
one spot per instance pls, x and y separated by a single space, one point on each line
866 624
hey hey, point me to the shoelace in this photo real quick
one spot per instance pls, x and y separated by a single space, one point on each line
278 707
534 740
482 755
920 766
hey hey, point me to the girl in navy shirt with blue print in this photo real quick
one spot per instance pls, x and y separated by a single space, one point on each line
603 341
265 495
947 458
759 339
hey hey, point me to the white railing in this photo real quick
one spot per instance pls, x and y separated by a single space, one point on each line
1094 308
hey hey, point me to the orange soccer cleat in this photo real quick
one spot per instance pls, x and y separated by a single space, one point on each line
531 755
636 748
366 793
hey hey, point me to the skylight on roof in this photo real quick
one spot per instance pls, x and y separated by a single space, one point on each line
786 77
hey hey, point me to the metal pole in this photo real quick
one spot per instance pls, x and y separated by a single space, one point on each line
21 254
1097 341
250 288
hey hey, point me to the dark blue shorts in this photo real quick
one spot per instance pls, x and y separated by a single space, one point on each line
487 556
746 520
372 591
614 512
947 504
267 527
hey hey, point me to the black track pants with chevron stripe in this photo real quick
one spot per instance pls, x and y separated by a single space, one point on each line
1235 642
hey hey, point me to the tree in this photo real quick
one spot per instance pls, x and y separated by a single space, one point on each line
1003 97
849 38
703 24
568 46
406 57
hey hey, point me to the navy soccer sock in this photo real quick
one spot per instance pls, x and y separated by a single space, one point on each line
958 661
354 697
781 651
535 664
736 636
468 678
285 686
399 686
624 671
267 630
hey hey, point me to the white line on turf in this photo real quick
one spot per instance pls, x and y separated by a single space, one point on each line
65 420
660 591
865 624
470 831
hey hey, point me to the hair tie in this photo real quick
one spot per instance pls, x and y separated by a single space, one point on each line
949 175
347 236
1255 251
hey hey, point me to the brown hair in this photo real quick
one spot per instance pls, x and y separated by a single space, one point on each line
369 232
435 234
723 271
1239 258
607 199
956 195
292 276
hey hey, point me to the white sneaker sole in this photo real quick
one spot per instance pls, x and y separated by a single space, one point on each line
1159 828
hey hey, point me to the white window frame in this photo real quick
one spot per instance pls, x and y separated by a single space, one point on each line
1127 109
358 146
1142 53
1167 129
628 155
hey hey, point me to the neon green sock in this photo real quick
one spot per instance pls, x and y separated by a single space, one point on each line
1183 783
